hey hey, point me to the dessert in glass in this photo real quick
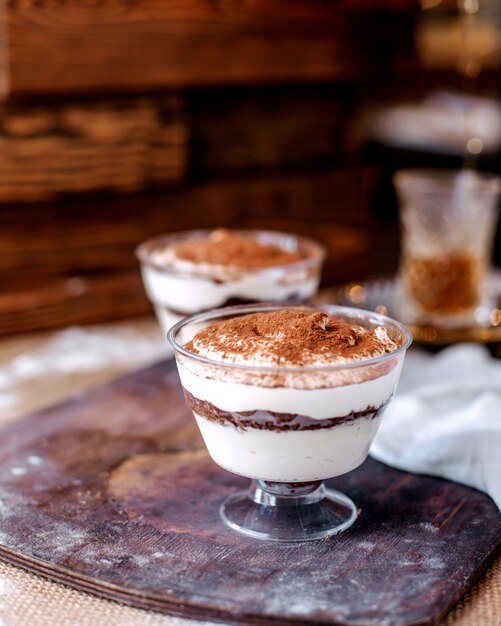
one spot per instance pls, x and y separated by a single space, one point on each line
194 271
288 397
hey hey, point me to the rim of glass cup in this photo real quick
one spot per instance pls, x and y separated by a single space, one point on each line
317 251
351 312
441 180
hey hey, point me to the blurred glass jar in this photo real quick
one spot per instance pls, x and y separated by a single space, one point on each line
448 221
176 291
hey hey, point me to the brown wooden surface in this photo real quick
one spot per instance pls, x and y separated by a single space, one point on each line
72 301
72 261
245 129
84 145
111 493
120 145
142 44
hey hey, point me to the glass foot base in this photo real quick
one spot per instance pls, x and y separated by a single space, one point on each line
288 512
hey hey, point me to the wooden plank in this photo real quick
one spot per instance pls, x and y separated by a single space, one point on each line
100 233
33 301
85 299
119 145
76 300
52 148
85 502
56 46
248 129
72 261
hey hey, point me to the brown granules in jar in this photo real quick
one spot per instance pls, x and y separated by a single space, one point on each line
287 337
225 248
445 284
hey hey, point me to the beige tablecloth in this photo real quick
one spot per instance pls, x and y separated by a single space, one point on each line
38 370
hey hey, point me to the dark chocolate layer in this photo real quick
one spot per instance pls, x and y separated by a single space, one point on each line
269 420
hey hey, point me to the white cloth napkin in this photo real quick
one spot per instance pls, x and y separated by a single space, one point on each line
445 419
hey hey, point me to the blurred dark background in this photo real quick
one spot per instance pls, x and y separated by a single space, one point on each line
123 119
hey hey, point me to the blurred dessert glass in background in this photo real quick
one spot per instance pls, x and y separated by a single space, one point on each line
193 271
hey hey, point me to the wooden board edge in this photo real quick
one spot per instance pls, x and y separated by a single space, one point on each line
138 600
180 608
474 578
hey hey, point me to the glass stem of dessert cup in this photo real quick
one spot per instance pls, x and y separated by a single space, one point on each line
288 512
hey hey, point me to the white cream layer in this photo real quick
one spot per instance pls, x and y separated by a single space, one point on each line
321 403
190 294
290 456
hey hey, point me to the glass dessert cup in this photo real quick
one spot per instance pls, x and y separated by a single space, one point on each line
288 428
448 220
177 292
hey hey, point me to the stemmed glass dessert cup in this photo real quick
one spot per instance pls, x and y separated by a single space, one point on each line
288 428
177 290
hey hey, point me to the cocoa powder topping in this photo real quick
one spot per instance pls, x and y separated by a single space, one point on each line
289 337
226 248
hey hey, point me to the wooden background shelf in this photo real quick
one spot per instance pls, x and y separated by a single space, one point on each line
128 118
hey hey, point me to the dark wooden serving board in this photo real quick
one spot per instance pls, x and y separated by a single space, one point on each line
111 492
